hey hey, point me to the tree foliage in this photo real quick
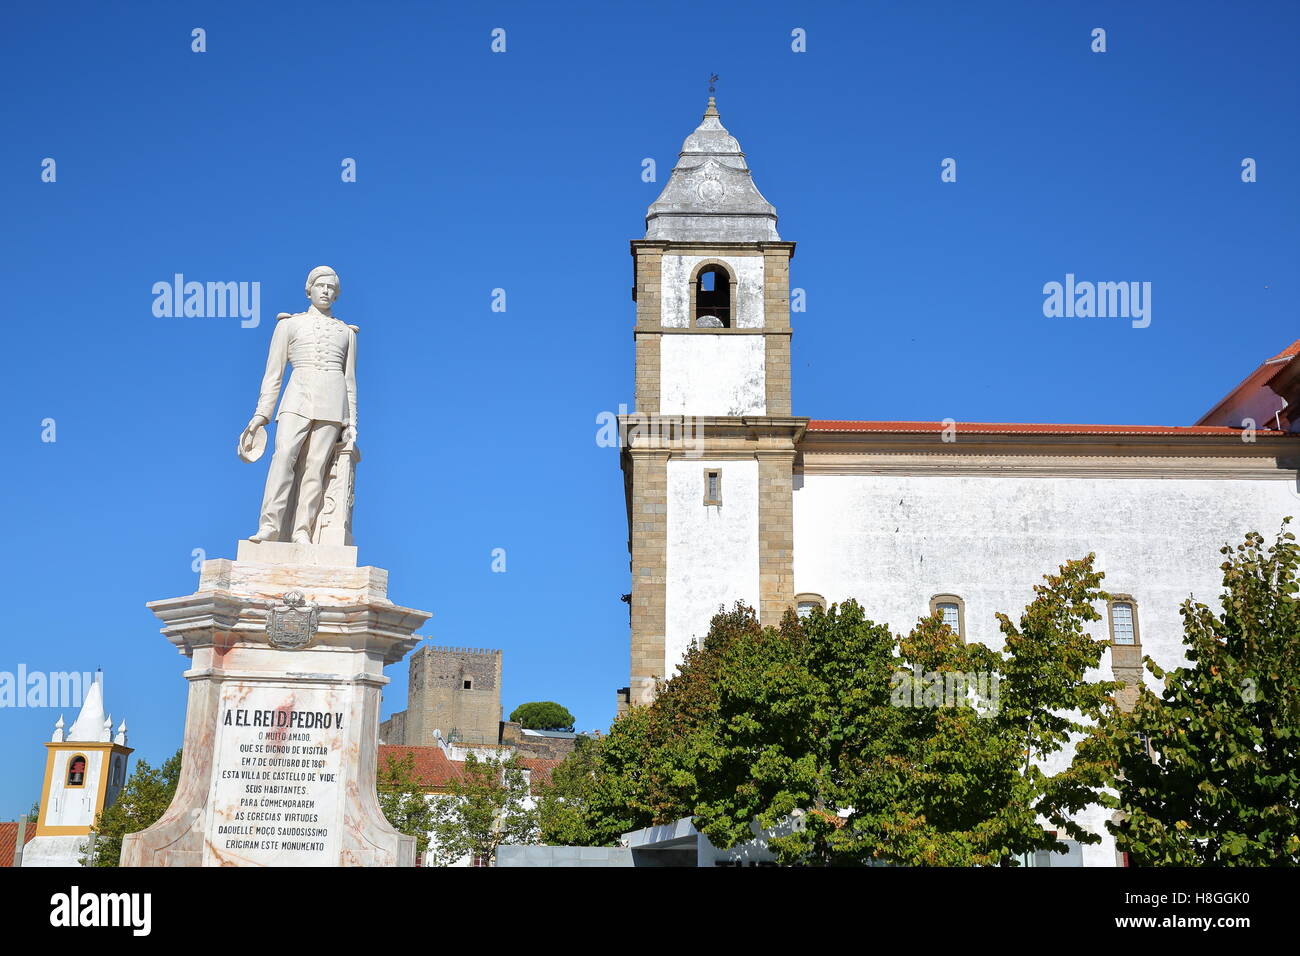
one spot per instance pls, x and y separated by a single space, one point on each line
403 800
485 807
147 795
853 745
601 790
543 715
1209 770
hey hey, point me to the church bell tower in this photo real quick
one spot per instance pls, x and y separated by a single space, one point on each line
709 454
85 771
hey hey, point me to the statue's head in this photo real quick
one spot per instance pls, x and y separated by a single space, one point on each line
322 287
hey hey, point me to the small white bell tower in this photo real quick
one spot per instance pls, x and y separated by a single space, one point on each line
85 770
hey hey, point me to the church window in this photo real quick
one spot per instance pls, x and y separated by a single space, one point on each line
713 486
711 297
77 771
1123 623
952 609
1073 855
805 603
469 684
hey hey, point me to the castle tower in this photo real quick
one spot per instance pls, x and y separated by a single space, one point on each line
85 770
708 456
453 690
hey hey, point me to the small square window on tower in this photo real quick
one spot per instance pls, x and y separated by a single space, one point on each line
713 486
469 684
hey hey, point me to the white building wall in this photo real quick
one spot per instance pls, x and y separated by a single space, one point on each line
703 374
675 290
893 541
712 550
74 807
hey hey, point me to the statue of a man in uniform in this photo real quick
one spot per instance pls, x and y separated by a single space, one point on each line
319 407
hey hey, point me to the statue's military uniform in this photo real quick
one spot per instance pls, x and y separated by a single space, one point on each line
319 401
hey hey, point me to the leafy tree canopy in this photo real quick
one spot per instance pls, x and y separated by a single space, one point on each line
147 795
543 715
1209 769
486 806
403 800
854 745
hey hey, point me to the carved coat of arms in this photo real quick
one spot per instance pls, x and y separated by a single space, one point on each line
292 625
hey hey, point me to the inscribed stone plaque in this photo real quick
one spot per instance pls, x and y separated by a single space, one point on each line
276 789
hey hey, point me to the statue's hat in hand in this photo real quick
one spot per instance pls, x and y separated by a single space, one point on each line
252 449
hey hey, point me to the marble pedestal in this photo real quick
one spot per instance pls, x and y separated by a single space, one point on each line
281 740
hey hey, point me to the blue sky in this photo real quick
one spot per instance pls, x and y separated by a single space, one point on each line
522 170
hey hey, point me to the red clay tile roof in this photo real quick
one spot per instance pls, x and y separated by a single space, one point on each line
1024 428
9 840
541 768
1262 376
432 768
434 771
1289 352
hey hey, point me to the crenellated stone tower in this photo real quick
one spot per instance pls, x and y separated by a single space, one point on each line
455 691
708 456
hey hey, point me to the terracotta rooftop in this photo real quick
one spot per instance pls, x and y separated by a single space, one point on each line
1290 351
1028 428
9 840
432 768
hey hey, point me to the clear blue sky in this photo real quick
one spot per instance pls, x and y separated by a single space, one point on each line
522 171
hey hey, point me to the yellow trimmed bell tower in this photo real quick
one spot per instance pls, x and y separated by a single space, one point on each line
85 770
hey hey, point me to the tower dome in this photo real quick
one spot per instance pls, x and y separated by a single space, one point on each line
711 195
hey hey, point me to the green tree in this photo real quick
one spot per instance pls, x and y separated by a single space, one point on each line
147 795
564 803
604 788
403 800
801 729
1047 704
485 806
926 774
1209 771
543 715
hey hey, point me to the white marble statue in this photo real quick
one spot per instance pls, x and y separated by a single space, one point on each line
317 421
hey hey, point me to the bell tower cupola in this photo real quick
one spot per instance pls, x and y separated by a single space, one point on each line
712 288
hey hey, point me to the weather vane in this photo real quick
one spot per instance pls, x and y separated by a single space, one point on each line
713 78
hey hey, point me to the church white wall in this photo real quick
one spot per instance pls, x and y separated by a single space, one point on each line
74 807
712 551
675 290
61 851
712 375
893 541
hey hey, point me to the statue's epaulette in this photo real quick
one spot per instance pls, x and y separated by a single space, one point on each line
354 329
